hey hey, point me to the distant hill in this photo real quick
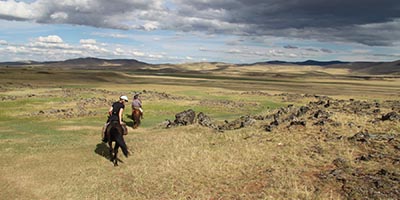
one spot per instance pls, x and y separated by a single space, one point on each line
373 68
307 62
98 63
27 62
83 63
366 68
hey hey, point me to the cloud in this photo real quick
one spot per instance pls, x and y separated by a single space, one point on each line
87 41
358 21
49 42
368 22
3 42
326 50
13 10
59 16
50 39
290 47
119 14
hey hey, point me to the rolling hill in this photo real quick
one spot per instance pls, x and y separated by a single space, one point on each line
353 68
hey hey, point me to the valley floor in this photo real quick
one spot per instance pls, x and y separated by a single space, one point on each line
309 137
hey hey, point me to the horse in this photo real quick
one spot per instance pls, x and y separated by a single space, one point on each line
114 133
136 117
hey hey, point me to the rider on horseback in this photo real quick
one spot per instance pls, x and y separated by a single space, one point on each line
137 104
115 114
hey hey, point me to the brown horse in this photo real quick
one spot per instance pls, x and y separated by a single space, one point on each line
136 117
114 133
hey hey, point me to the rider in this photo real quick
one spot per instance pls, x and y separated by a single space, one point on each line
137 104
115 113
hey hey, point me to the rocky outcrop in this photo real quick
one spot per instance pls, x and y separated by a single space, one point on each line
381 182
205 120
392 116
188 117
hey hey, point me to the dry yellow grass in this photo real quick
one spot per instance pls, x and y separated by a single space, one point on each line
57 158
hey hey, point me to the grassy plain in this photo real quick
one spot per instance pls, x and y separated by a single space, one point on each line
51 120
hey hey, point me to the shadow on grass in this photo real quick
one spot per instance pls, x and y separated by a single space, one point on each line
102 149
130 123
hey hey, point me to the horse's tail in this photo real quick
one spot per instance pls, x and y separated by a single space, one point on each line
121 142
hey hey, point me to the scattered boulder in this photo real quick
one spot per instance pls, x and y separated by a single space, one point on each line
302 110
321 114
360 137
341 163
184 118
391 116
188 117
295 123
359 184
205 120
244 121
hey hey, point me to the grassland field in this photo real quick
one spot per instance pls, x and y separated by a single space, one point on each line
51 119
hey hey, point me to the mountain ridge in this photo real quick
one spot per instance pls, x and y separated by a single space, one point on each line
363 67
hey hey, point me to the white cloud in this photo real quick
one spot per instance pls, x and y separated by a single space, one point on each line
49 42
50 39
19 10
3 42
149 26
307 19
94 48
17 50
59 16
158 56
111 35
97 13
87 41
137 53
118 52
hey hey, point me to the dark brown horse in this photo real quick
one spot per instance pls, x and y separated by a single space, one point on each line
136 117
114 133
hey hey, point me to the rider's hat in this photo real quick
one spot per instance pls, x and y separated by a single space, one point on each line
123 97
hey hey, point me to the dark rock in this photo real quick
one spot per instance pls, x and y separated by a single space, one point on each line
365 158
321 114
204 120
248 121
340 163
269 128
327 104
301 123
382 172
185 118
360 137
392 116
276 121
242 122
302 110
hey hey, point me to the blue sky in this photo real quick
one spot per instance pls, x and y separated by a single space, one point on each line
177 31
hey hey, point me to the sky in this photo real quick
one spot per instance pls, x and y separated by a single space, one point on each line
179 31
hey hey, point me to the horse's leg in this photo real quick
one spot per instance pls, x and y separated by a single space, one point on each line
115 154
111 149
119 139
136 119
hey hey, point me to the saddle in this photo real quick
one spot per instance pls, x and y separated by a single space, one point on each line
114 124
